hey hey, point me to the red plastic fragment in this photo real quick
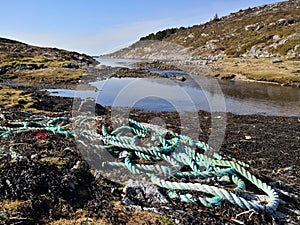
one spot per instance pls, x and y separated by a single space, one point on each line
41 136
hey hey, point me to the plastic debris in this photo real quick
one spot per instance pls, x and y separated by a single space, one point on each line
41 136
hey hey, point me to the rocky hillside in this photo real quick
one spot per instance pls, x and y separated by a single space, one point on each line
20 62
265 31
261 43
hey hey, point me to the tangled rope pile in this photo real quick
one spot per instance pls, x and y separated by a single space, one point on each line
142 149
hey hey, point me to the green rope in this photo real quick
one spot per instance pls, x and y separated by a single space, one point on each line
52 125
154 146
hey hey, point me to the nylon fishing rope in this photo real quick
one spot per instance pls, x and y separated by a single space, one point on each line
127 142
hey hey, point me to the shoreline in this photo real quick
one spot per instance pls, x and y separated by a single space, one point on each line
284 72
70 191
11 91
251 139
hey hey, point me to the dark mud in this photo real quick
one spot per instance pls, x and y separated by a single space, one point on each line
52 181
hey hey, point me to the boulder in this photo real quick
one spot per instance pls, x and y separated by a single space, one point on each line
137 192
282 22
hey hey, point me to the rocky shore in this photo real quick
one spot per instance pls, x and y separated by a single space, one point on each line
49 182
45 179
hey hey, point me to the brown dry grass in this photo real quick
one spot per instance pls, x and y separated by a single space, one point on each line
53 75
259 69
13 206
12 98
124 214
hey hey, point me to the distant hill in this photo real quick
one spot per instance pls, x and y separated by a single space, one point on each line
267 31
21 62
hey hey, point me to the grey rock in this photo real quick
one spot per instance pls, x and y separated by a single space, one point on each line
3 69
297 48
70 66
284 84
282 42
181 78
276 61
137 192
259 27
282 22
250 27
253 51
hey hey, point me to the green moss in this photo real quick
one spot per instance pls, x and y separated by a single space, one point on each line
12 98
16 60
55 161
13 206
53 75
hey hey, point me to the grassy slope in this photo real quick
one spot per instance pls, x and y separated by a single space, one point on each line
230 34
274 29
25 63
287 72
245 42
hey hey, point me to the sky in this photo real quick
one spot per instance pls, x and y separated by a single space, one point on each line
98 27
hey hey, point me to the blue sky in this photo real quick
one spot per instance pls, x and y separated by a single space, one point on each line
97 26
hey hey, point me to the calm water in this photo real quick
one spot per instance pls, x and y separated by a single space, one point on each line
196 93
116 62
161 94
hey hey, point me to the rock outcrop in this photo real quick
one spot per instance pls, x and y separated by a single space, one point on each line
15 55
266 31
20 62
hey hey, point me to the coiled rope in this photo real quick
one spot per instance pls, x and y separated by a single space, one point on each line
135 141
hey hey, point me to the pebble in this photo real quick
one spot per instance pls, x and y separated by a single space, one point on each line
181 78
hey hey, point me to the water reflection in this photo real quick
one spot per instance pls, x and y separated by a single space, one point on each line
117 62
162 94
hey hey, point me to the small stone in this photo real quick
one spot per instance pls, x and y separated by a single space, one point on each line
2 117
276 37
34 156
277 61
181 78
259 27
